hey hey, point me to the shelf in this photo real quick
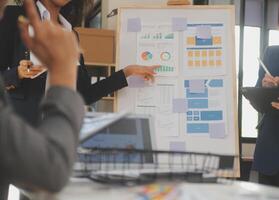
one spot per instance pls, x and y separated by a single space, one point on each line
99 64
108 98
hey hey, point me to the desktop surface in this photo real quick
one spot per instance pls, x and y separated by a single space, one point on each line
234 190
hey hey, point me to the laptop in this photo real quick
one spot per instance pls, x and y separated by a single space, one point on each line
95 122
121 131
125 131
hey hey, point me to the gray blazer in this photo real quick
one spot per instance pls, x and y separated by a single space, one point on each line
40 157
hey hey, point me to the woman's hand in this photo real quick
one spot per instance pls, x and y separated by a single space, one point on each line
275 105
54 46
26 69
270 81
147 72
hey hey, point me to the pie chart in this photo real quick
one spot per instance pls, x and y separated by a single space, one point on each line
146 55
165 56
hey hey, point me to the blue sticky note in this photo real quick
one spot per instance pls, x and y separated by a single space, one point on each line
136 82
134 25
179 105
217 130
197 86
179 24
177 146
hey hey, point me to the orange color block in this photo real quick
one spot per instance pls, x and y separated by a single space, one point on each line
197 63
218 53
204 54
197 53
191 41
219 63
217 40
204 63
190 63
190 54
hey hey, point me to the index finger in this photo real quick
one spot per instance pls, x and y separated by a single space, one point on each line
155 66
32 14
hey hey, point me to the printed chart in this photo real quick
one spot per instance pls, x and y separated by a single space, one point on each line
193 99
204 48
157 101
158 45
206 109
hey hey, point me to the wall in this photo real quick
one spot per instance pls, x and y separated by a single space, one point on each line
109 5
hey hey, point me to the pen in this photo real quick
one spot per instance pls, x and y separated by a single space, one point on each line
264 67
26 55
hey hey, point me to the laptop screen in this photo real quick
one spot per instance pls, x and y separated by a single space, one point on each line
131 132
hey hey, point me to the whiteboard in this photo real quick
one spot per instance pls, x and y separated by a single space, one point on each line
193 100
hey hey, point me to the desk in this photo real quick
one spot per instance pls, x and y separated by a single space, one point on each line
87 190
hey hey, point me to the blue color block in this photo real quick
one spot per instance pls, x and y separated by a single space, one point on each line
189 113
197 128
216 83
198 103
204 42
211 115
197 95
186 83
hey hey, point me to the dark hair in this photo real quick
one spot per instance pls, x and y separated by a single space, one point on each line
20 2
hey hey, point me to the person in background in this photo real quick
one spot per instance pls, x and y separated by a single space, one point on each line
41 157
266 154
17 69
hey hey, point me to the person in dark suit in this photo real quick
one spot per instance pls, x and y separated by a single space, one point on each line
25 92
41 157
266 154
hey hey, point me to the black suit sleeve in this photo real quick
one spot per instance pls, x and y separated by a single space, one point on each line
41 157
94 92
9 39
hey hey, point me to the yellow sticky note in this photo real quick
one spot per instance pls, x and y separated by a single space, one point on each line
197 53
211 63
197 63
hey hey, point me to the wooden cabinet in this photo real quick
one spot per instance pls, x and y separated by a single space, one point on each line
98 47
99 71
